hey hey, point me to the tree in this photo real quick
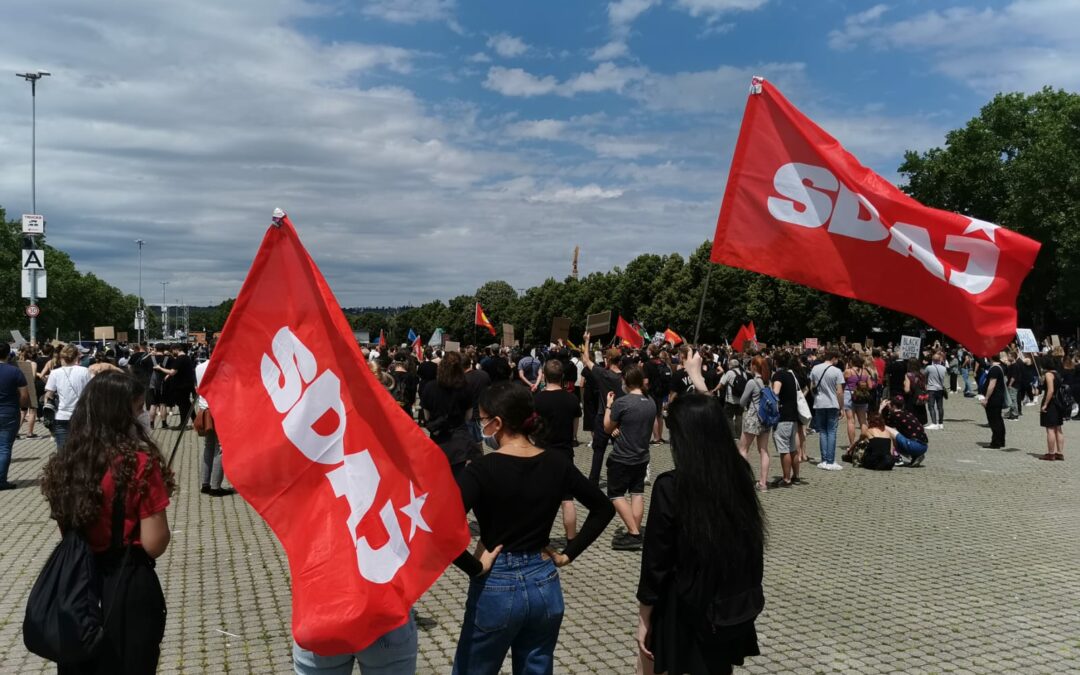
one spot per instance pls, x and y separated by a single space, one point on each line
1018 165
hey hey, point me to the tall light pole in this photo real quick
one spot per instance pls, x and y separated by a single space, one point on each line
164 312
33 78
140 319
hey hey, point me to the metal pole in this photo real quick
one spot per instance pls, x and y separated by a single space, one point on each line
33 199
701 308
164 312
142 313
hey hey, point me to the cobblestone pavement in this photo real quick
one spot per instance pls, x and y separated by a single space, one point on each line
966 565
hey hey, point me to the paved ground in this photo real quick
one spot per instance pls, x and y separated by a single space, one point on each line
966 565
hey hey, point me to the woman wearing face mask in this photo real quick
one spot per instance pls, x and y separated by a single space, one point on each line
515 600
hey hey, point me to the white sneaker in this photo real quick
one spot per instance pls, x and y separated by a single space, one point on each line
834 467
823 465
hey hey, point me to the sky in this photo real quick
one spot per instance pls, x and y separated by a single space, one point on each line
423 147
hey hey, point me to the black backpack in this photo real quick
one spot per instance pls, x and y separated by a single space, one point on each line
401 388
64 622
739 385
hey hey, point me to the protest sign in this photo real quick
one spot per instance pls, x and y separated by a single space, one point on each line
452 346
1055 341
27 369
104 333
598 324
560 328
810 343
1028 343
507 335
910 347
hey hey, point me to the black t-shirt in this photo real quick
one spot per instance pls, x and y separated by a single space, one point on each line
426 371
476 381
405 384
1015 372
996 374
681 382
659 376
558 409
141 366
440 402
710 371
515 500
607 380
185 372
895 372
789 404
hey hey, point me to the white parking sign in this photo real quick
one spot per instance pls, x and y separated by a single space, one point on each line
33 223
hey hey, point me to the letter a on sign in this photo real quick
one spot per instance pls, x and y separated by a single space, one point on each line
33 259
362 500
800 207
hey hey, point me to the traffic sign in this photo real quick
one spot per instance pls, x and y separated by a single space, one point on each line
33 223
33 259
42 283
33 311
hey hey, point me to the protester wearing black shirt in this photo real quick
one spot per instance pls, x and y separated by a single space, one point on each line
559 409
994 402
447 407
895 373
183 384
515 598
607 378
701 570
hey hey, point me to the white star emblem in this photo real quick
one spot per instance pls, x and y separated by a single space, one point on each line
412 510
986 228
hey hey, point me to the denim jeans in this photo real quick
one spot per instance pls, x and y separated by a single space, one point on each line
60 433
936 407
518 607
1015 409
211 461
965 375
392 654
9 429
909 447
825 419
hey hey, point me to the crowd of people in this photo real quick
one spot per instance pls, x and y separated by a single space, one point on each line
508 421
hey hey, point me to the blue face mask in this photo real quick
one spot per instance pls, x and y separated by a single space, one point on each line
489 441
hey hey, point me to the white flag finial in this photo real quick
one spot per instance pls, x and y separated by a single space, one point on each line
755 84
278 216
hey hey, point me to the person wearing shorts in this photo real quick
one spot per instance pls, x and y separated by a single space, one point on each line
785 385
629 420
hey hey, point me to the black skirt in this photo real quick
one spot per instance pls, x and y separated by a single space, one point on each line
1052 417
683 643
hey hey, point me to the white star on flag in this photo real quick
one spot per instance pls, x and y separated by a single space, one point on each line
412 510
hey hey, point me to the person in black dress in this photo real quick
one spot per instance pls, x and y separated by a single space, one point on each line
702 565
1052 414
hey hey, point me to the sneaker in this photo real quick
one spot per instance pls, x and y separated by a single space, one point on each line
627 542
918 460
823 465
221 492
8 486
834 467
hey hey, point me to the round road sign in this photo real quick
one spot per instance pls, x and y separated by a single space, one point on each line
32 311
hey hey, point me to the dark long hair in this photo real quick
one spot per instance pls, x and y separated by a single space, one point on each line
103 429
513 404
719 515
450 374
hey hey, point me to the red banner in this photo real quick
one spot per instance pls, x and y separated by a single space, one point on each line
482 320
361 499
800 207
629 336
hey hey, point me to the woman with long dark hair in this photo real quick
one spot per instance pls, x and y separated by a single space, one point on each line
515 600
701 569
109 461
447 408
1053 413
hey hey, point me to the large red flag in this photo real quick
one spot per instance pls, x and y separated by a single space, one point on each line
482 320
363 502
800 207
629 336
672 337
740 339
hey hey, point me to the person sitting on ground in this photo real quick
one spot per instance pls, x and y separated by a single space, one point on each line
908 433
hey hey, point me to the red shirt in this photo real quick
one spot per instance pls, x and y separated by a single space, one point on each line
139 504
880 365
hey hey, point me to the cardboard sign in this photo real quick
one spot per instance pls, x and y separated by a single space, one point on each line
362 336
452 346
104 333
17 338
857 347
122 337
810 343
508 335
27 369
1055 341
560 328
910 347
1028 343
843 339
869 343
598 324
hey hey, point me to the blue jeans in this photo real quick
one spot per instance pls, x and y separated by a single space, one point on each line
9 429
392 654
909 447
60 433
518 607
825 419
965 375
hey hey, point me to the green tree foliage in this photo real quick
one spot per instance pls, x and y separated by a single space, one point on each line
1018 165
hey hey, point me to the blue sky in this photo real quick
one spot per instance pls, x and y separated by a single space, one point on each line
426 146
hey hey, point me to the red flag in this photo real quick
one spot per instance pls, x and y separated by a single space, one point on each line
363 502
740 339
482 320
751 332
418 349
382 338
800 207
672 337
629 336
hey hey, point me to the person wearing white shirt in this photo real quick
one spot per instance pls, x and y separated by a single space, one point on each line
212 474
65 385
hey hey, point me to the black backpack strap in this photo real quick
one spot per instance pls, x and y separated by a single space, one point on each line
118 509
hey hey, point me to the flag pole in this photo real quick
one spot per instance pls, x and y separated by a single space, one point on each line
701 308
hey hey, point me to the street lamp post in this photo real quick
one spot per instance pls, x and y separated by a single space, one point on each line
164 312
141 318
33 78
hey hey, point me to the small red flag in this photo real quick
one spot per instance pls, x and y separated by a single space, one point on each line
482 320
363 502
800 207
418 349
382 338
629 336
741 339
672 337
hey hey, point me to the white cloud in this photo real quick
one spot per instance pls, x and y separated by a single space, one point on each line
541 129
714 8
1022 46
507 46
610 51
410 11
517 82
576 195
479 57
624 12
713 91
606 77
